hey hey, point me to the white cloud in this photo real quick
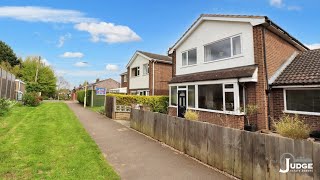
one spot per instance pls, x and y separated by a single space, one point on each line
43 14
72 55
313 46
108 32
112 67
81 64
294 8
99 30
62 39
46 62
276 3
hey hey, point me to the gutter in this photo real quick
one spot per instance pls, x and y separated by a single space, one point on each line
268 91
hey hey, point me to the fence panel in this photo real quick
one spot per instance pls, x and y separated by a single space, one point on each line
243 154
7 85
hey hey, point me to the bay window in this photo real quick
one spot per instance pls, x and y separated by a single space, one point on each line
189 57
222 49
302 100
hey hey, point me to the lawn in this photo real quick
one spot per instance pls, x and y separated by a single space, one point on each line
48 142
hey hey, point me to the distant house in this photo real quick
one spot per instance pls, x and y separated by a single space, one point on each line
124 80
148 74
296 88
106 83
223 63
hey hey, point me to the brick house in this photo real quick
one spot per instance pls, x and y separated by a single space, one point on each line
124 80
223 63
106 83
149 74
296 88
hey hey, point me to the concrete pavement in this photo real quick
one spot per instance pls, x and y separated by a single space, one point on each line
135 156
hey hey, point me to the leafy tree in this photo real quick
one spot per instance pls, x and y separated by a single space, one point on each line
45 81
7 54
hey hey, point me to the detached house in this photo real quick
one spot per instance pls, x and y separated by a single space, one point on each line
149 74
223 63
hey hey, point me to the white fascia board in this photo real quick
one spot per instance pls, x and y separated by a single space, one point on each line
282 67
134 57
252 21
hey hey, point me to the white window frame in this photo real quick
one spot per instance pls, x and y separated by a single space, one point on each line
297 112
170 96
187 52
231 43
235 91
144 73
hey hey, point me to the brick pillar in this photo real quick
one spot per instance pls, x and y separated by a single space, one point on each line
128 80
173 56
261 86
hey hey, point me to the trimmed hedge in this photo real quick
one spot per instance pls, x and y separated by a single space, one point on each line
97 100
156 103
80 96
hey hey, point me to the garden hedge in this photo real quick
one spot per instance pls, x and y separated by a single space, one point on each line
97 100
80 96
156 103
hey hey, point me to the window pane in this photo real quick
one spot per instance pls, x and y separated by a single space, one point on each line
242 98
191 96
218 50
236 45
145 69
228 86
229 97
173 95
184 59
192 57
211 97
303 100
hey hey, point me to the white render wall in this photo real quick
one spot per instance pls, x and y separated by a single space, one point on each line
141 81
211 31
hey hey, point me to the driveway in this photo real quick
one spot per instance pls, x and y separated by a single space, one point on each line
135 156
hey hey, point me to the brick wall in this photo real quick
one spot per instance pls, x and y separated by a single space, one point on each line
162 75
278 51
261 85
226 120
173 56
128 83
124 84
277 108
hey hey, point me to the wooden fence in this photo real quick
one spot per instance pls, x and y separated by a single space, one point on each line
243 154
115 111
7 85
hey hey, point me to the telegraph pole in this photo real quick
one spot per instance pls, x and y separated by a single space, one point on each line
37 71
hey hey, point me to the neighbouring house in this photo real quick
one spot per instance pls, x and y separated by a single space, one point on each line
223 63
106 83
149 74
296 88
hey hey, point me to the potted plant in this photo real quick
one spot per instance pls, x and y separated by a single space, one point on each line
250 110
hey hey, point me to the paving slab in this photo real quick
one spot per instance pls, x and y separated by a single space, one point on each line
135 156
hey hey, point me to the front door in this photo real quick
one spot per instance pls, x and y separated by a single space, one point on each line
182 102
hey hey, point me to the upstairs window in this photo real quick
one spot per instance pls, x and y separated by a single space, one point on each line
135 72
124 78
222 49
189 57
145 69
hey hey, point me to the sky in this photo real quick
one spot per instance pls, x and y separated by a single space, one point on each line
89 39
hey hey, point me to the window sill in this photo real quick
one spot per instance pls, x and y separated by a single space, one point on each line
302 113
224 59
186 66
216 111
172 106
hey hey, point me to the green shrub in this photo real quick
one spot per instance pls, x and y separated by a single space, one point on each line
191 115
156 103
4 106
81 94
31 99
292 127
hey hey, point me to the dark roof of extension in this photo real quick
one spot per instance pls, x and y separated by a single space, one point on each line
238 72
303 70
156 56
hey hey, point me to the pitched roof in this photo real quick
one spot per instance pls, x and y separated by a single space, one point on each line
156 56
238 72
303 70
254 20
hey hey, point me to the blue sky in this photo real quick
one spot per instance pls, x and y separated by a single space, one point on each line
85 40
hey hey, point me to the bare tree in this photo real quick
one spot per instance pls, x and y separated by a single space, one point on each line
62 86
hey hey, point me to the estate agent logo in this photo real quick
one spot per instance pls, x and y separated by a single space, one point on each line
288 163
